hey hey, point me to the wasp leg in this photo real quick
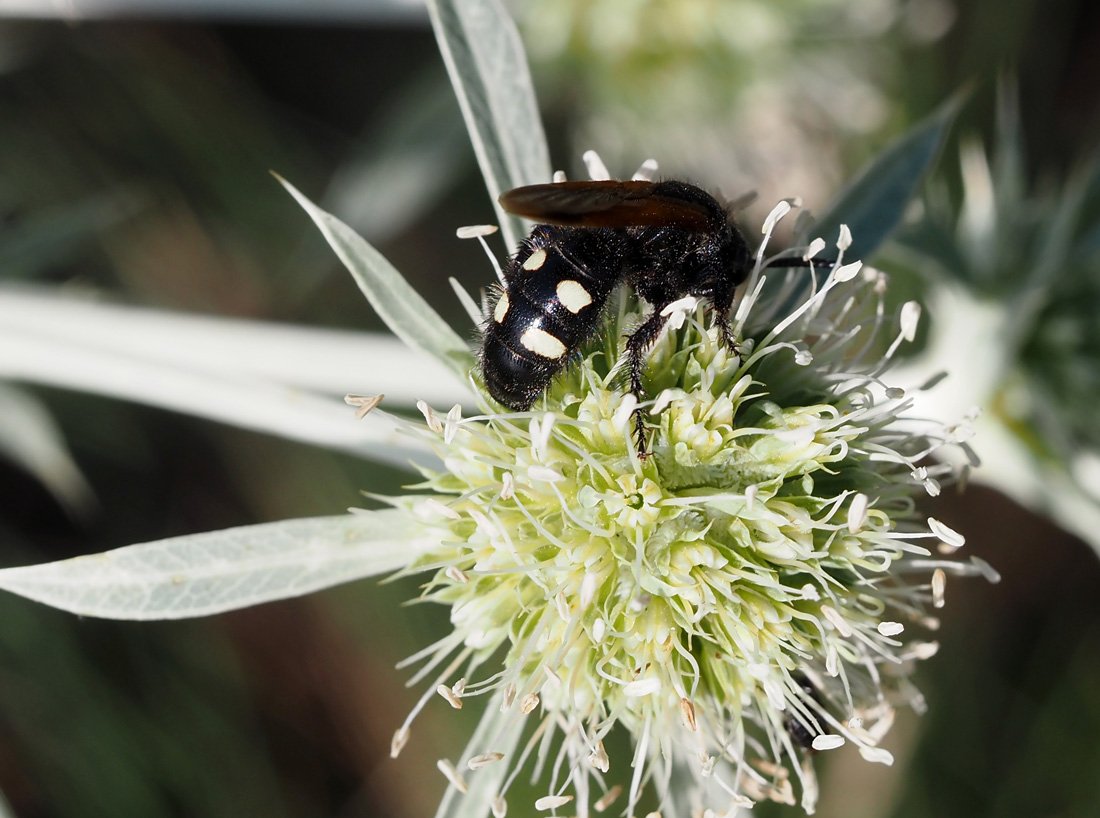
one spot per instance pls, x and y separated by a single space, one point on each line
637 344
725 331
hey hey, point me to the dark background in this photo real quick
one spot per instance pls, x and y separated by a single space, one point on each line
146 144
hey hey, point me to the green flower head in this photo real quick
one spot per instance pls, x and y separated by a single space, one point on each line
737 597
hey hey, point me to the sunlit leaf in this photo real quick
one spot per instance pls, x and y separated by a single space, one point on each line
229 396
30 437
202 574
873 205
326 361
403 310
488 68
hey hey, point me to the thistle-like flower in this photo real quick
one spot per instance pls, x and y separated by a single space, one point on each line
734 599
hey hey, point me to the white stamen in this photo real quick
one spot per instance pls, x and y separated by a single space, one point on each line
803 357
642 687
778 212
597 170
456 574
450 428
939 582
945 533
646 171
543 474
608 798
895 392
622 415
528 703
814 247
685 304
548 802
985 569
922 650
448 694
665 397
847 272
562 606
479 232
430 417
484 760
363 403
507 486
828 741
451 774
559 176
844 240
598 758
889 628
589 584
499 807
540 434
837 620
857 513
398 742
877 755
687 713
599 628
909 319
431 507
474 231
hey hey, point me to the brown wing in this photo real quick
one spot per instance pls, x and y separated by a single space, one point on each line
605 204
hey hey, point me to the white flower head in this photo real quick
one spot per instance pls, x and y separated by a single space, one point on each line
741 594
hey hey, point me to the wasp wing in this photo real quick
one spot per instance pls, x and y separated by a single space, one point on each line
605 204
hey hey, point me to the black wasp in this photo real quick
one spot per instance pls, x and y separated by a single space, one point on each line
666 239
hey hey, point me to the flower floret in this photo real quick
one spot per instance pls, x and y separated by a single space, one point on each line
733 598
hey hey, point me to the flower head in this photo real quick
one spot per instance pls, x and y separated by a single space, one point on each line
735 597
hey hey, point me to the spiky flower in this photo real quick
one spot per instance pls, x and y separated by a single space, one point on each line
738 596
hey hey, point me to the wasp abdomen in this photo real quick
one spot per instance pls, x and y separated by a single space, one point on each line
554 290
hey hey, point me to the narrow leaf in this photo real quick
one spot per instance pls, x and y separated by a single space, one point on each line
873 205
488 69
407 315
202 574
228 396
30 437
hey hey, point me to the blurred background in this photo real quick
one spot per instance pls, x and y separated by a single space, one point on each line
135 143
